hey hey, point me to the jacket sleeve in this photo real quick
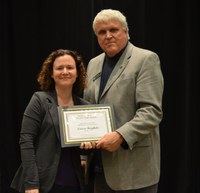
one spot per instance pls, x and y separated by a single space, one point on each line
29 131
148 101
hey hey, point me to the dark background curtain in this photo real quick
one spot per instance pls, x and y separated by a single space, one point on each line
30 30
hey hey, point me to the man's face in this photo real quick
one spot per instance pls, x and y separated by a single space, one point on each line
111 36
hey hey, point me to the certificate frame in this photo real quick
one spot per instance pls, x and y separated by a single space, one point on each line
84 123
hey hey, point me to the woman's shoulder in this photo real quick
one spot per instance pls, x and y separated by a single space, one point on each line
45 94
42 98
80 101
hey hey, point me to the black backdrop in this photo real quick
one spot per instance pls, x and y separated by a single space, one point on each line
30 30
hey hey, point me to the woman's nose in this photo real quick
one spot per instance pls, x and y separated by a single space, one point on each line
65 70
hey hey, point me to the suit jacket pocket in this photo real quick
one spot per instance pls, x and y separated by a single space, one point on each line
144 142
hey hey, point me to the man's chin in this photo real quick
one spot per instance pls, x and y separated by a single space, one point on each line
111 53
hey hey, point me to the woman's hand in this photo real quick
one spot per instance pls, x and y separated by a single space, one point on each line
32 191
88 145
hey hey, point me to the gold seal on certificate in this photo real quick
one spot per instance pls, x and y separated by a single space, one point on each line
81 123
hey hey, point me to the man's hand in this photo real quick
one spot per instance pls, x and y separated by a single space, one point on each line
110 141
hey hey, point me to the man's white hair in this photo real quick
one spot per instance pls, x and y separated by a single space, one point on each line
108 14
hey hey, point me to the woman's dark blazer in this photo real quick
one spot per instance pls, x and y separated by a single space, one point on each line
40 145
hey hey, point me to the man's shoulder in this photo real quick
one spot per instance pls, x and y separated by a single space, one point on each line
98 57
141 50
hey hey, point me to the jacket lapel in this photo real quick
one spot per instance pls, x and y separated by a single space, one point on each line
97 77
53 111
119 68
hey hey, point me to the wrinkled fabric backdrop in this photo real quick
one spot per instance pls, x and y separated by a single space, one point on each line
30 30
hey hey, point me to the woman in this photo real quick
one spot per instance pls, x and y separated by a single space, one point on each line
46 167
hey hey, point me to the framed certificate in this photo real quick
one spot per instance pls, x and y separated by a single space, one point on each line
82 123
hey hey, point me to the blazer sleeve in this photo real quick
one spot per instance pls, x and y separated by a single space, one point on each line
148 100
31 122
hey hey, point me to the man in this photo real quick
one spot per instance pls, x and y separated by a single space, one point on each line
130 78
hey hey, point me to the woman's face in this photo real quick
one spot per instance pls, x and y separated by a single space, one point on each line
64 72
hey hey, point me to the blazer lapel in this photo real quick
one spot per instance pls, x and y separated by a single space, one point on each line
53 111
97 77
119 68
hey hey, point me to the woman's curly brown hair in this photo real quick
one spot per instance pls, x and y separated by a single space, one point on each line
45 79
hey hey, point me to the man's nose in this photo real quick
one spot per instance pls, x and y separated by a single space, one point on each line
108 34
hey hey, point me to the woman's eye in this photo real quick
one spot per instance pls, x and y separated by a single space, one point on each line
70 67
